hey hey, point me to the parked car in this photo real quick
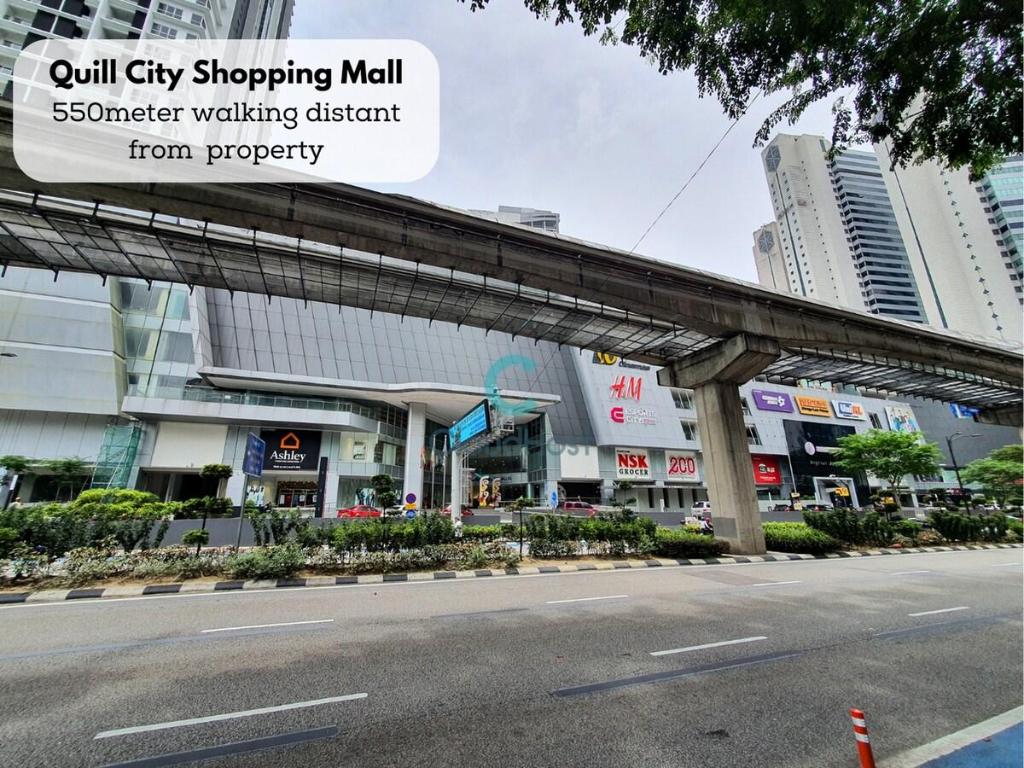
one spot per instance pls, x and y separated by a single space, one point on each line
467 511
577 507
359 510
701 509
814 507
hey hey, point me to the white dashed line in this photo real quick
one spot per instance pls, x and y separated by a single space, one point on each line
264 626
585 599
773 583
226 716
709 645
941 610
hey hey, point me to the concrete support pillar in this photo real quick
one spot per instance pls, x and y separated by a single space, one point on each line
455 491
714 373
727 470
415 434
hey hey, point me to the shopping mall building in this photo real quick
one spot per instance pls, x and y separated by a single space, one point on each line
147 384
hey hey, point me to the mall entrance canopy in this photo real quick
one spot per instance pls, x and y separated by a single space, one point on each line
387 253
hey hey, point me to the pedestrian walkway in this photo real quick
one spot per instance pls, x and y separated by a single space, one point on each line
994 743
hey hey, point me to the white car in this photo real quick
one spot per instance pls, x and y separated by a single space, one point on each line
701 508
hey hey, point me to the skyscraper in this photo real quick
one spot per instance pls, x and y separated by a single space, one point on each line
963 239
1002 197
23 23
835 236
527 217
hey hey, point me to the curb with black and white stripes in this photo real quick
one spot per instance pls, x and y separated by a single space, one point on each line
194 587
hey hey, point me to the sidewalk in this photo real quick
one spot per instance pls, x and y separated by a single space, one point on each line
995 743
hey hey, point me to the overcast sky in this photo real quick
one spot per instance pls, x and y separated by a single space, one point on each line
543 117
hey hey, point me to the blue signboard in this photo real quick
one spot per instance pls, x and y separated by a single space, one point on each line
963 411
474 423
254 450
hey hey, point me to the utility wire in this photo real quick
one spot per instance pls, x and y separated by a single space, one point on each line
693 175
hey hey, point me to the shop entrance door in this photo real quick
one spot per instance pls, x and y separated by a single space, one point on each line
837 491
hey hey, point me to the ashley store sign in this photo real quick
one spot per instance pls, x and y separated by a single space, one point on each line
632 464
291 449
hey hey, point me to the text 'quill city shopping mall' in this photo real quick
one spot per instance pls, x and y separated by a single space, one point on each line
165 381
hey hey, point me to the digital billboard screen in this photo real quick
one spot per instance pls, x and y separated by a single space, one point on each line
474 423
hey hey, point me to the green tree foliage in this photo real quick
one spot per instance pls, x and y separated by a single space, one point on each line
69 473
15 464
999 473
887 455
384 490
937 80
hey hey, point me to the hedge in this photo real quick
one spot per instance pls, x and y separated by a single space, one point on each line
799 538
392 536
685 544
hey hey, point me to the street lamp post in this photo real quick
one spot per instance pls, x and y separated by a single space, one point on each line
952 458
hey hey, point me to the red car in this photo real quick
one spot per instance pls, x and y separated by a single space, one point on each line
359 510
467 511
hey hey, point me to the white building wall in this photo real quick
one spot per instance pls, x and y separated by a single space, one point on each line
814 247
963 281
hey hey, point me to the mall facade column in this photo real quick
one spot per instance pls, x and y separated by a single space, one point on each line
415 434
714 374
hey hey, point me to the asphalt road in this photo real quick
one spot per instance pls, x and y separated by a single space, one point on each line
701 666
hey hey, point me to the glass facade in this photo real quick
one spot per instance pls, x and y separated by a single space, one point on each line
1002 194
886 280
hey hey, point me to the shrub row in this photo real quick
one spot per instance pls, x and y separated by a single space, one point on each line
684 544
799 538
874 529
954 526
88 565
135 519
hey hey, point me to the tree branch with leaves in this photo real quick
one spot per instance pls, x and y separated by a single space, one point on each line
936 80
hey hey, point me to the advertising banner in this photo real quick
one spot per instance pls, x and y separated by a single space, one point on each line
632 464
291 449
813 406
682 465
255 448
901 419
811 445
846 409
767 470
767 400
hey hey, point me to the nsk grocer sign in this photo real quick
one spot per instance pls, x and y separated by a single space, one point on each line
632 464
767 400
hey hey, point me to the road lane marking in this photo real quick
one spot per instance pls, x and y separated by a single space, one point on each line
585 599
264 626
940 610
226 716
1007 565
738 641
942 627
673 674
234 748
773 583
908 573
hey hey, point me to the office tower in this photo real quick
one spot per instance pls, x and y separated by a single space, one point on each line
1002 196
770 260
963 239
527 217
836 233
23 22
